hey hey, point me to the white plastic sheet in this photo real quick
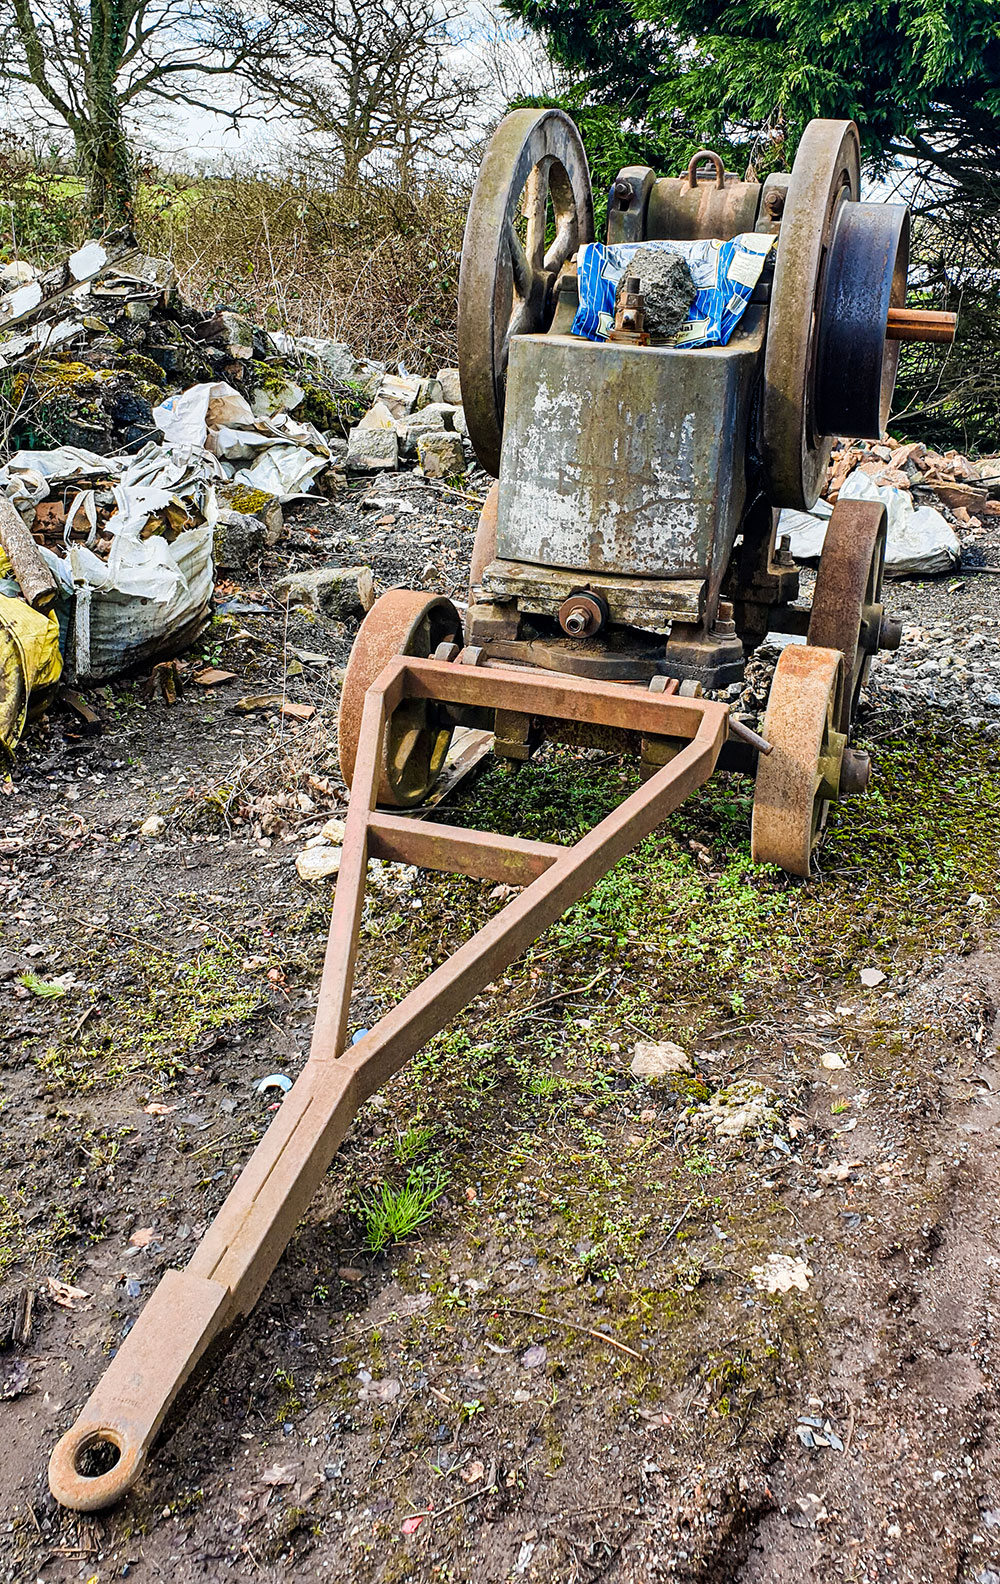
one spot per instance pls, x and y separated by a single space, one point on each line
188 418
919 542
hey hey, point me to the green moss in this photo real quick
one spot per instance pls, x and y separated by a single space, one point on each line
327 409
143 368
243 498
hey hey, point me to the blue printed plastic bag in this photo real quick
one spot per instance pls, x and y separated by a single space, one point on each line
725 274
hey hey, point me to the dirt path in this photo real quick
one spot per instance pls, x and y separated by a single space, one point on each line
443 1407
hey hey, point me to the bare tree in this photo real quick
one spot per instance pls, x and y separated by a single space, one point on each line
94 65
378 77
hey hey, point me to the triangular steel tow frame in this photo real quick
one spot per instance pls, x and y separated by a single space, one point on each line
192 1307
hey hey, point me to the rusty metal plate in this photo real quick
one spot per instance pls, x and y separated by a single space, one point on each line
626 460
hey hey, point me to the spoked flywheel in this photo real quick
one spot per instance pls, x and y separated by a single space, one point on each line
532 208
846 609
801 774
416 741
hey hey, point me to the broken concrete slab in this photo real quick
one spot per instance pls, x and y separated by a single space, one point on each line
337 592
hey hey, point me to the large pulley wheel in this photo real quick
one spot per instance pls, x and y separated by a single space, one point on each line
826 175
416 739
533 184
846 608
801 774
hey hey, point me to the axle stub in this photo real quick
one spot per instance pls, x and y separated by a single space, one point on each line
418 735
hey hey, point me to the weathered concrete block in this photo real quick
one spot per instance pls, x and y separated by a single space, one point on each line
373 450
237 334
451 386
335 357
279 396
239 541
399 394
246 501
437 418
440 454
338 592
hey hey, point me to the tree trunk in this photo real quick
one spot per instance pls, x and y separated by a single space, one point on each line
105 163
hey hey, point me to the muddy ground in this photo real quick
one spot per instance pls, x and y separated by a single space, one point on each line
573 1368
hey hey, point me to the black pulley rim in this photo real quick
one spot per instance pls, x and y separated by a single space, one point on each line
865 276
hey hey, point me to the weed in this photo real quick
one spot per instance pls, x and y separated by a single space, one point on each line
413 1142
392 1214
41 987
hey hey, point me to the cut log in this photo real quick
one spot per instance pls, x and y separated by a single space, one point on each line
38 584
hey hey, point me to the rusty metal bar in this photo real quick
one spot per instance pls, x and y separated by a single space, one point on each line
920 324
469 852
224 1278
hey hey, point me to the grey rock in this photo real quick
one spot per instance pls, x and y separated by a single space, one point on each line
237 334
451 386
667 288
440 454
337 592
373 450
239 541
334 357
248 502
430 391
437 418
279 398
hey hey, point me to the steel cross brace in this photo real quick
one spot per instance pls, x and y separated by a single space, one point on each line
190 1308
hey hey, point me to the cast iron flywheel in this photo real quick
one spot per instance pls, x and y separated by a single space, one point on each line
532 208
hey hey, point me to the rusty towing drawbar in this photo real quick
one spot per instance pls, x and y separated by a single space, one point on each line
626 560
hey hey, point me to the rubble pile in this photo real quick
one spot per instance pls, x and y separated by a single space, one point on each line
89 350
966 493
151 442
938 505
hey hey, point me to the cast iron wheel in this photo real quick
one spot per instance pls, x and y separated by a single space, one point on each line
535 160
846 608
826 174
796 781
401 622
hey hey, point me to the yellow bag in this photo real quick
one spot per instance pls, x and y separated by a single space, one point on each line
29 661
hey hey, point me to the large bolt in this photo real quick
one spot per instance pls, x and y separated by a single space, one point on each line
623 191
890 633
774 203
855 772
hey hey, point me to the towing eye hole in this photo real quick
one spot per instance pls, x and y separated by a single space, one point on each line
97 1454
